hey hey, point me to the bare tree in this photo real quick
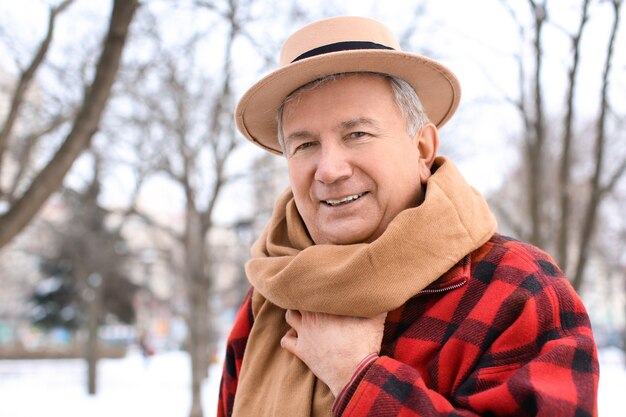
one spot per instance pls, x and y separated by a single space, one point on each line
24 206
599 188
184 114
554 219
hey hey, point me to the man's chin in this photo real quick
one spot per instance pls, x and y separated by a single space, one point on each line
346 237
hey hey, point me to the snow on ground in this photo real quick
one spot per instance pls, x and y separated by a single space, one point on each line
127 387
130 387
612 383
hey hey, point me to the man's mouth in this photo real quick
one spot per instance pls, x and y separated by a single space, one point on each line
345 200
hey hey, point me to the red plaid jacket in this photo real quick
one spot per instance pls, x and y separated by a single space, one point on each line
501 334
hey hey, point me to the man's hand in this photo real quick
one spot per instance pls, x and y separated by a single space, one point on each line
332 346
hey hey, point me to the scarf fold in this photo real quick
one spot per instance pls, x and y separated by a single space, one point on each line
288 271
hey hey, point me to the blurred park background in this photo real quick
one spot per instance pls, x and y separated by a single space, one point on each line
128 201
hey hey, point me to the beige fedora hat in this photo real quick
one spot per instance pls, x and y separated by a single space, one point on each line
338 45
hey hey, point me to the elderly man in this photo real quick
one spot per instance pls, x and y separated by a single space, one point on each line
380 286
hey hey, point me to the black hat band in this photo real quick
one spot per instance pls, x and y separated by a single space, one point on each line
340 46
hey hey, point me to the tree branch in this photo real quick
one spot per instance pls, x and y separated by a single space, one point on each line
26 79
30 142
217 127
51 177
133 210
612 182
507 219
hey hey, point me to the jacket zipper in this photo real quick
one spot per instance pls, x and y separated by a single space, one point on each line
443 289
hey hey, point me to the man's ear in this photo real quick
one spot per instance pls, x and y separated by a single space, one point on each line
428 145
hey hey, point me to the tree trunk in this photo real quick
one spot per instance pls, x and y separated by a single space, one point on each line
198 348
92 349
624 328
536 139
566 152
198 315
49 179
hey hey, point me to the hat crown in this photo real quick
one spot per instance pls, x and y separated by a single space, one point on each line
335 30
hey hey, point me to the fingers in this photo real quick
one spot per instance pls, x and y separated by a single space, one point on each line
289 340
332 346
293 318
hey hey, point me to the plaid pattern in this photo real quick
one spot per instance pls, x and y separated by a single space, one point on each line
234 357
501 334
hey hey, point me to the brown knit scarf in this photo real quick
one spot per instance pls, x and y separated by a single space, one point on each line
288 271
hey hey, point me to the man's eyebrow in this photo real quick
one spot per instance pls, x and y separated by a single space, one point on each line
299 134
360 121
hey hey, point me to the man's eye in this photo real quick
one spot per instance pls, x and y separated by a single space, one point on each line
358 134
303 146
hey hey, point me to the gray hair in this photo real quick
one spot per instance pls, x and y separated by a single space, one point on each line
405 96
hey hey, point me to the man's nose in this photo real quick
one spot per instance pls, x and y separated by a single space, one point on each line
333 165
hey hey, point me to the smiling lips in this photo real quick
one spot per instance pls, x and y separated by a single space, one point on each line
344 200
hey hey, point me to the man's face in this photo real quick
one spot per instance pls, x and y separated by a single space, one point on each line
352 165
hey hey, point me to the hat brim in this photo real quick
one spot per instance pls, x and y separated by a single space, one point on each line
436 86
